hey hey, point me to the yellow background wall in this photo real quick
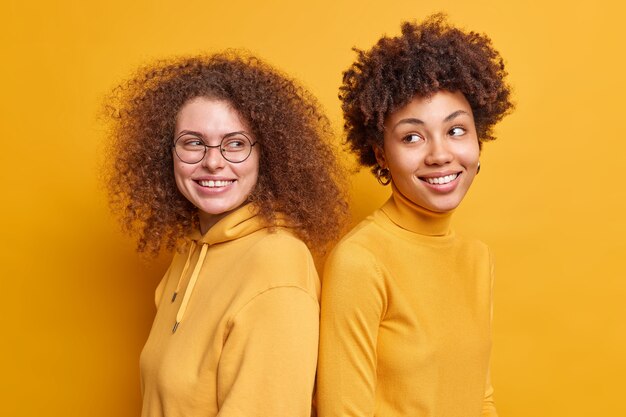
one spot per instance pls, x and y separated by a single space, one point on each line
550 200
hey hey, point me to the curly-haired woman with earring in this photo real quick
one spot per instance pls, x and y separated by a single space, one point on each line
406 303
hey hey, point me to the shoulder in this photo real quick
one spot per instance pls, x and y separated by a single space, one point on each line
278 247
278 258
361 247
354 264
367 236
353 278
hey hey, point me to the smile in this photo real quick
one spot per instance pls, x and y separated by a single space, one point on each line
441 180
215 183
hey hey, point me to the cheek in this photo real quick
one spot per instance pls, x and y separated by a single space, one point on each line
181 173
467 153
471 155
402 162
251 170
253 175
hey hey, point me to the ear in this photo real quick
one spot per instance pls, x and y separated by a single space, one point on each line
380 156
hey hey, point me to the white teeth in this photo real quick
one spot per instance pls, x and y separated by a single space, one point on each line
213 184
442 180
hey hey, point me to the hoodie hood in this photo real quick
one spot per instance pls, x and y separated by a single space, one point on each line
239 223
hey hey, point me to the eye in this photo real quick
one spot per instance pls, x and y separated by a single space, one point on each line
190 142
412 138
235 143
193 142
456 131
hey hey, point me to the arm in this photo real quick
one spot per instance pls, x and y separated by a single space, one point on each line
267 366
489 407
353 304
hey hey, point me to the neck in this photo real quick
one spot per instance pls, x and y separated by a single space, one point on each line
207 221
409 216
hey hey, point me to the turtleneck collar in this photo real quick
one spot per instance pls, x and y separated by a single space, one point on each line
409 216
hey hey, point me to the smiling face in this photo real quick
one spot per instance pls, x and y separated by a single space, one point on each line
215 186
431 149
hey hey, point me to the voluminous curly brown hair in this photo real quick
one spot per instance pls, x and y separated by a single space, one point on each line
424 59
299 175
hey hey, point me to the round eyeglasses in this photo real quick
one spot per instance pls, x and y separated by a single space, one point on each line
235 147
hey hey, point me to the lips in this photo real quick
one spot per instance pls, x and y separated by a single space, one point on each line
215 183
441 180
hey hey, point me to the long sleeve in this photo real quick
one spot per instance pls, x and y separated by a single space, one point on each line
353 304
267 366
489 407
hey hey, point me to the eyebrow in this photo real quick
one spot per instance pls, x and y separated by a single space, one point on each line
201 136
415 121
190 132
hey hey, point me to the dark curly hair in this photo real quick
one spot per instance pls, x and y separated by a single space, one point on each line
424 59
299 175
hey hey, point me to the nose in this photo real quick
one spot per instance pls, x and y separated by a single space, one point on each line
439 152
213 159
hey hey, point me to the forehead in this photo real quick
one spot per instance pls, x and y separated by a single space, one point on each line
431 109
208 116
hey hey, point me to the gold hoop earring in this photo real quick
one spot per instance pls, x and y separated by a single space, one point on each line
478 169
383 176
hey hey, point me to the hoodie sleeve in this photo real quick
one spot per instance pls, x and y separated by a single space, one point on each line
267 367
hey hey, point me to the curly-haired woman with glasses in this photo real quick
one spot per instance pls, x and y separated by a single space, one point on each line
227 160
406 304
